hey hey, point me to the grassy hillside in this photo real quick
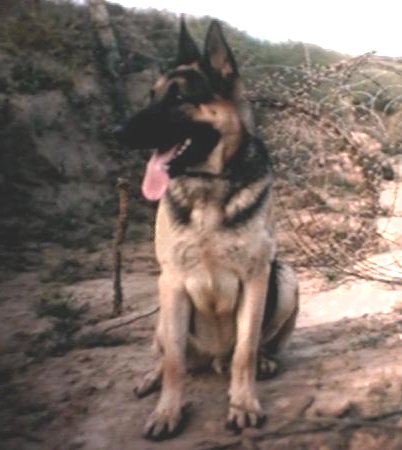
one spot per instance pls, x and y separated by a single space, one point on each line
58 161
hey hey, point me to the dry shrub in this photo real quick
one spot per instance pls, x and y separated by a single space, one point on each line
330 130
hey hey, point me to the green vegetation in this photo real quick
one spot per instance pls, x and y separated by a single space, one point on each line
60 30
59 306
30 77
259 58
66 318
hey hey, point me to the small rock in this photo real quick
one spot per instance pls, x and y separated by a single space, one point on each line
283 403
294 407
329 406
104 385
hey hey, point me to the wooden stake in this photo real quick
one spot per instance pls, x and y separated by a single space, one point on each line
123 189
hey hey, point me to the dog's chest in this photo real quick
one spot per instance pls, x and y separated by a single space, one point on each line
205 246
209 260
205 217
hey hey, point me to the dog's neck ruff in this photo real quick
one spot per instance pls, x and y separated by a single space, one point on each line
249 163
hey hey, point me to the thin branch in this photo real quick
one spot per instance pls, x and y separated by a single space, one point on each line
129 319
117 322
123 188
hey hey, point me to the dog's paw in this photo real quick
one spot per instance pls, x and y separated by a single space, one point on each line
240 417
166 424
266 368
149 384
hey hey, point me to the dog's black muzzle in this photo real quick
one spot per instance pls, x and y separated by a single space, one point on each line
156 126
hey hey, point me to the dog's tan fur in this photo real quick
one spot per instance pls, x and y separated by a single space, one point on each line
215 276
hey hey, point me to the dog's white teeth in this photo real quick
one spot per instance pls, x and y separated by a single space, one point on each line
186 144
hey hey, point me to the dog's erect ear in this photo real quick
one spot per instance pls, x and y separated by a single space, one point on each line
188 50
218 60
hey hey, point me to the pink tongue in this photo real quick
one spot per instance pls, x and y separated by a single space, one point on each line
156 178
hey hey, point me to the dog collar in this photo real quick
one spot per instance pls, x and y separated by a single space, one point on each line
199 174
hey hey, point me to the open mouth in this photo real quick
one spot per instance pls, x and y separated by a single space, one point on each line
178 150
167 163
158 171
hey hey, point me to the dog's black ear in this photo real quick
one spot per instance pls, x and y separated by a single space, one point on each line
218 60
188 50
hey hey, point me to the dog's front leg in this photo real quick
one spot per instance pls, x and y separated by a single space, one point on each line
244 408
168 416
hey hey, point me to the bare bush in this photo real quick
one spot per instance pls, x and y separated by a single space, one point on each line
332 130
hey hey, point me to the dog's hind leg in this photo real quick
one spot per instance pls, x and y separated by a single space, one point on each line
280 314
168 417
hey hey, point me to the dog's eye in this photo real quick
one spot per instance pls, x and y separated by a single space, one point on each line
179 97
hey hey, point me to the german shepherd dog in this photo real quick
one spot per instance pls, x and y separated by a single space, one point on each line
224 297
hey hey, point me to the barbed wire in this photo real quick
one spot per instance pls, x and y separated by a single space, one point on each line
335 138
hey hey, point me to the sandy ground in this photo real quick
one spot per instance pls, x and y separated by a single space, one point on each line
62 388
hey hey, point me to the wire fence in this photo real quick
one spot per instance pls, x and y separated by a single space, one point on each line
336 138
